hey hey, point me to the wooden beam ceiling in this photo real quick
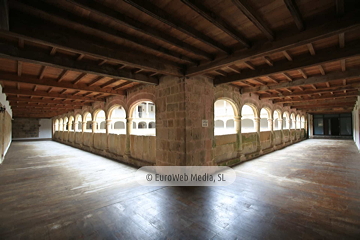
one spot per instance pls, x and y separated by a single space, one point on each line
351 73
252 15
311 34
132 23
162 16
48 82
216 20
38 93
4 15
67 63
323 56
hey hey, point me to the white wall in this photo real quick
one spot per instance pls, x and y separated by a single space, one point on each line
356 123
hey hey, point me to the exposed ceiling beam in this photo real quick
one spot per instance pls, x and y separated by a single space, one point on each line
316 98
122 19
121 85
68 63
78 43
319 102
344 104
38 93
331 76
19 68
268 61
67 19
197 6
162 16
44 101
252 15
353 86
48 82
340 7
311 34
4 15
294 10
303 61
109 83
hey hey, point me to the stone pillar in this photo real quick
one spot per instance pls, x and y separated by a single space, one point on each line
108 125
271 129
185 121
257 128
129 122
94 126
239 137
69 126
83 129
280 122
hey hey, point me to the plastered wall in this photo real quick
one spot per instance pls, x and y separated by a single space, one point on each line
5 126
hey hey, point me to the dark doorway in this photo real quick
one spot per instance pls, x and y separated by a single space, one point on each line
335 126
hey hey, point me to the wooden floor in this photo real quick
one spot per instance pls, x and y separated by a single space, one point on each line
310 190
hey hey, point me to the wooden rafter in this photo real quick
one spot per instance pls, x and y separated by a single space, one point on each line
138 26
48 82
294 10
302 61
67 63
252 15
162 16
197 6
331 28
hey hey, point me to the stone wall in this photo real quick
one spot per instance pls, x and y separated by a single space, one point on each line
25 128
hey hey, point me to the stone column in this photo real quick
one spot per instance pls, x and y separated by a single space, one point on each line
280 122
94 126
241 156
83 128
108 125
271 128
257 128
129 122
69 126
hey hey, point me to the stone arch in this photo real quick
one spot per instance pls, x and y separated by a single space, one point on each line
225 113
78 123
142 110
286 119
265 115
277 117
248 115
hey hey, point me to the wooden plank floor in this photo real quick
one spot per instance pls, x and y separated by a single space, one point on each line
310 190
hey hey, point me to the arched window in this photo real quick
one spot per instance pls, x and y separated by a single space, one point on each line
292 121
302 122
61 125
286 120
56 125
143 113
88 120
117 116
100 120
66 124
78 123
152 125
276 122
224 117
264 123
298 121
72 122
247 119
142 125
